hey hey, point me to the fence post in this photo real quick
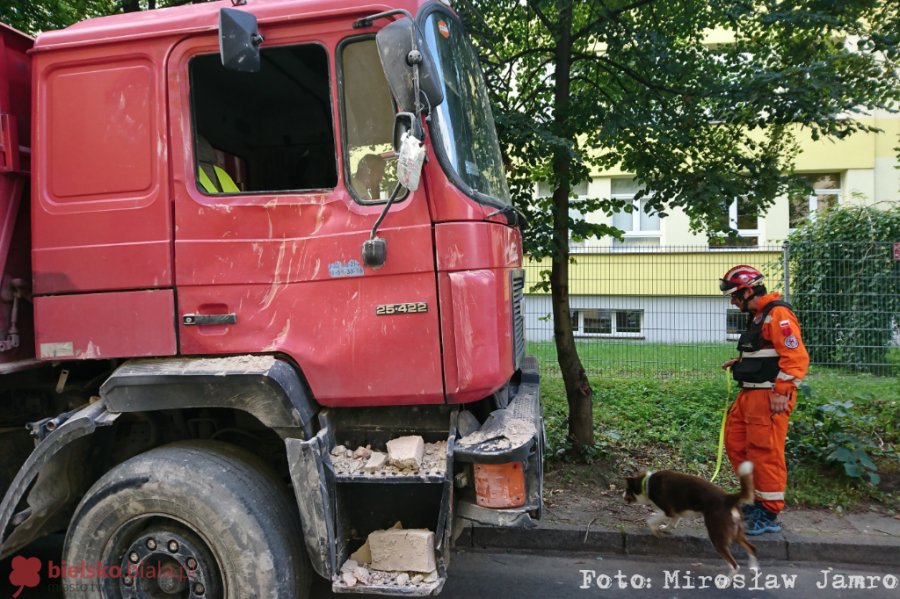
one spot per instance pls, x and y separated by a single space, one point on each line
786 258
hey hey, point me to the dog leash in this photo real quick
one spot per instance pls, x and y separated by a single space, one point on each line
722 428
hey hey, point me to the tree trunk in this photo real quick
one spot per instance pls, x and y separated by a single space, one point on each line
131 5
578 389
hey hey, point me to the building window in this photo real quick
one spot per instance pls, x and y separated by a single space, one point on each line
608 323
743 224
735 323
578 194
639 226
826 194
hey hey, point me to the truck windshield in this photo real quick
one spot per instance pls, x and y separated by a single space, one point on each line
463 128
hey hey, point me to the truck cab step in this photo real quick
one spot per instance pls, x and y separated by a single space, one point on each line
356 466
391 587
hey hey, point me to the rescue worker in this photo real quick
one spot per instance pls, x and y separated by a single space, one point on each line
772 363
369 173
212 177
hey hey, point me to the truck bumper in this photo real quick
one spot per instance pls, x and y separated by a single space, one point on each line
513 434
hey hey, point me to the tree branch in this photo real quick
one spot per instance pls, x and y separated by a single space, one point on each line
541 16
593 84
631 73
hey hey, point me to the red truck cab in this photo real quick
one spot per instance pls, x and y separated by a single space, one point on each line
131 253
201 294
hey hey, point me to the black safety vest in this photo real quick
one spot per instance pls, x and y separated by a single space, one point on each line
757 369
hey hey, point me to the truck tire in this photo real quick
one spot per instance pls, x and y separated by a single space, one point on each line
193 519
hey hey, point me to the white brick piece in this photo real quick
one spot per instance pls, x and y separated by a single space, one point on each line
406 452
405 550
377 461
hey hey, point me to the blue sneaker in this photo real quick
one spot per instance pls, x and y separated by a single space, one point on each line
760 521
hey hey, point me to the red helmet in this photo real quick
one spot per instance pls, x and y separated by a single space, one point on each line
740 277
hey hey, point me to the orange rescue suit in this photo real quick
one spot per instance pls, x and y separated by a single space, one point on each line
773 359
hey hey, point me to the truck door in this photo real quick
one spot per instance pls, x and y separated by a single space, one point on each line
278 178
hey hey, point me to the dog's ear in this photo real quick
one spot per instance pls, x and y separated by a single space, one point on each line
630 474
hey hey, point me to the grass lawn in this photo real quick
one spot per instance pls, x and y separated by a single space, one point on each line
653 423
602 357
635 358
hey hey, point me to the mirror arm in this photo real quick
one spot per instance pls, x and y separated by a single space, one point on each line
387 207
367 21
374 249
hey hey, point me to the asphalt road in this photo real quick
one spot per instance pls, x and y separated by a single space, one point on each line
490 575
530 576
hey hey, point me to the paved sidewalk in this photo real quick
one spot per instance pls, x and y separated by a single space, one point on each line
865 538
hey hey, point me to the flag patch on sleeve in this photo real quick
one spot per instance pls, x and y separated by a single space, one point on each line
785 328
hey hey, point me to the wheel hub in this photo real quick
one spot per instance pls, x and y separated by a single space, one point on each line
168 564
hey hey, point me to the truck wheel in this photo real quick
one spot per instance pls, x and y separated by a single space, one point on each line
197 520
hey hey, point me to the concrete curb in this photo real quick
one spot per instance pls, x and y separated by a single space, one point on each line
787 546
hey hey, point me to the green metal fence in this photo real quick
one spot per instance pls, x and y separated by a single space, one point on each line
657 312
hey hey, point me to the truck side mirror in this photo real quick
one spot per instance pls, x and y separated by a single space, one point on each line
401 47
239 40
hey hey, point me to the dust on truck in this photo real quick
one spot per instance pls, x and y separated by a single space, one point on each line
220 306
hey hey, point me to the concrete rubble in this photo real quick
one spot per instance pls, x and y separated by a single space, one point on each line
376 462
407 461
395 557
406 452
398 549
353 574
499 434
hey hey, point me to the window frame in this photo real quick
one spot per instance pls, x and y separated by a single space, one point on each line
733 219
193 109
574 213
812 203
435 130
577 315
346 170
731 312
636 231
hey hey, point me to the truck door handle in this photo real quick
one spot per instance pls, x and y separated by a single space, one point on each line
205 319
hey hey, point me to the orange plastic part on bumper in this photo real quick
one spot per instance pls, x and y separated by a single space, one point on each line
500 485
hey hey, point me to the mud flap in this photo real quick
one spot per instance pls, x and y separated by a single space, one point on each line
314 488
54 488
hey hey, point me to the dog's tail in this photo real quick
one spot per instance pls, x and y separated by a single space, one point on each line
745 473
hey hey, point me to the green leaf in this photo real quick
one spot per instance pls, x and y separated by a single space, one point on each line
852 470
866 461
841 454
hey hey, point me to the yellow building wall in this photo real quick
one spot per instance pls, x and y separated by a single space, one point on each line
857 151
653 273
867 163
